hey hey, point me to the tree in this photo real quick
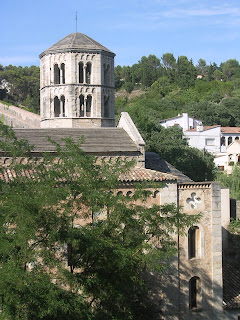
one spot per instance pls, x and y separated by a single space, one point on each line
186 72
202 67
67 203
231 181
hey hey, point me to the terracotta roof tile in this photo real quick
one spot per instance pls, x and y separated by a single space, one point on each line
230 129
204 128
142 174
133 175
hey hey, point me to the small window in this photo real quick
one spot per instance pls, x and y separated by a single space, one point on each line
193 243
210 142
89 106
88 73
80 69
194 293
56 107
56 74
229 140
129 194
222 141
62 73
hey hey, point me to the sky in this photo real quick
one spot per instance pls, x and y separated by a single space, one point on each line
206 29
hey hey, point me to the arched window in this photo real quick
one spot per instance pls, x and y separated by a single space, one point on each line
63 73
88 73
62 106
193 242
222 141
156 193
195 299
229 140
89 106
56 74
81 105
237 138
106 107
80 69
56 107
129 194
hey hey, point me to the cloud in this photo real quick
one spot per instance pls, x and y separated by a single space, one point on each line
200 12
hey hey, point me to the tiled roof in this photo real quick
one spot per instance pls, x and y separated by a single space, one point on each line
143 174
205 128
133 175
9 174
231 286
230 129
154 162
96 140
76 42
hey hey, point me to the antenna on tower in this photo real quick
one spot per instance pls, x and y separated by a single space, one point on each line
76 21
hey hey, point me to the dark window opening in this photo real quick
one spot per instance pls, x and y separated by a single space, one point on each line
193 242
194 293
88 106
56 107
229 140
62 108
81 105
222 141
88 73
80 72
56 74
63 73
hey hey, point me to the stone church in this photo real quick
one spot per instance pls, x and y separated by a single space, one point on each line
77 99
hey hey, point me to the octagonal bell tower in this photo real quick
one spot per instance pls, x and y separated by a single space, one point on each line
77 84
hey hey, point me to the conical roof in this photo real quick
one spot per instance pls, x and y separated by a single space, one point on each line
76 42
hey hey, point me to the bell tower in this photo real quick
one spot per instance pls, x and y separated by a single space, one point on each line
77 84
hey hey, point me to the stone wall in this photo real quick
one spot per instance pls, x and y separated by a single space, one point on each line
18 118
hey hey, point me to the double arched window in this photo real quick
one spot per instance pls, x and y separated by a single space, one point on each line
59 74
85 106
84 73
59 107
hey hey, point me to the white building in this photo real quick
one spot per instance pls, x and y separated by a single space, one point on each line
214 139
183 121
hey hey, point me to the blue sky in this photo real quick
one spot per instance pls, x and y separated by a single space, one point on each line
207 29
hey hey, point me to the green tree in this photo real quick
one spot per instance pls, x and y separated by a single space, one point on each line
186 73
231 181
70 200
202 67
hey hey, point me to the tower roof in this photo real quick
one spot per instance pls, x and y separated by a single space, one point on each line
76 42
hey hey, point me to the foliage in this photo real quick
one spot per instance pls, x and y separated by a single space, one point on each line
67 203
231 181
234 226
22 86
